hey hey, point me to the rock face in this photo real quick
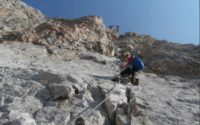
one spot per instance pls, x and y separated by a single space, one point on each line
29 76
15 15
162 57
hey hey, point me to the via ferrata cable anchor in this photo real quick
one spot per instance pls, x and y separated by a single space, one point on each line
79 121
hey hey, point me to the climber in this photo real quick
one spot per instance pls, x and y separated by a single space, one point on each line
132 65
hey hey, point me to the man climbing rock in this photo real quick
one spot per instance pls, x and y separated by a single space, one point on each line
132 65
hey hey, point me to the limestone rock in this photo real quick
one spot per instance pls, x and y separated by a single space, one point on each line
116 98
173 59
16 15
52 115
18 118
85 33
89 32
61 91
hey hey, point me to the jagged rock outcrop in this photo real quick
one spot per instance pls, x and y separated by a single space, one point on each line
16 15
112 35
86 33
83 33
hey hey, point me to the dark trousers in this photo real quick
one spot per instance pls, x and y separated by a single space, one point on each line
128 71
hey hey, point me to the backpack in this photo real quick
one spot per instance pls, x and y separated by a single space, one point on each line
137 64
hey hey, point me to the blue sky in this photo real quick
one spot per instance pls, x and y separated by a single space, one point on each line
172 20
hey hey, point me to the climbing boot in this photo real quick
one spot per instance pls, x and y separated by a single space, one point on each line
135 81
116 79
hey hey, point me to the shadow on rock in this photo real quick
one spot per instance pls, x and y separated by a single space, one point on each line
43 95
46 77
103 77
